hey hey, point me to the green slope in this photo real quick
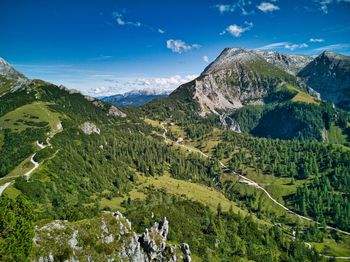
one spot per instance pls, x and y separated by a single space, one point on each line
129 166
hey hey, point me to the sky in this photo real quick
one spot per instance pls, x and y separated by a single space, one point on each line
106 47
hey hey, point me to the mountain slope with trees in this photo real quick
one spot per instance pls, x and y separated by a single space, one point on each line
93 157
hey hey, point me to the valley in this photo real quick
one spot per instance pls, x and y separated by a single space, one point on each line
245 162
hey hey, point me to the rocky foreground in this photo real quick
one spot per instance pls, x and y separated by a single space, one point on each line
107 238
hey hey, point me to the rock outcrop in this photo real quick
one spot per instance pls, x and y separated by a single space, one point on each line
229 123
8 71
114 111
108 238
289 63
238 77
89 128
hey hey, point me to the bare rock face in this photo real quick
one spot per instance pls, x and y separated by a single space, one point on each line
186 250
153 240
108 238
289 63
7 70
229 123
114 111
89 128
238 77
11 79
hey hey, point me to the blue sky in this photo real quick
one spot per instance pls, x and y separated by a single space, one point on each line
106 47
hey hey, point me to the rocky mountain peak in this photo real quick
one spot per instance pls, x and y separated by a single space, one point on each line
230 57
329 75
9 71
332 56
236 78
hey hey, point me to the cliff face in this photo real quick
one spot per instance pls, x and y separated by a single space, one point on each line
329 74
107 238
236 78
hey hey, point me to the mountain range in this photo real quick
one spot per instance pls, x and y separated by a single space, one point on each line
248 162
135 97
241 77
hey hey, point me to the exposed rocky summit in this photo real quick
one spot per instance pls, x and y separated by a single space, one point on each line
236 78
10 79
107 238
8 71
329 75
289 63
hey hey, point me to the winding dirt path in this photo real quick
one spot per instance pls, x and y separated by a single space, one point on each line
254 184
26 176
3 187
36 165
250 182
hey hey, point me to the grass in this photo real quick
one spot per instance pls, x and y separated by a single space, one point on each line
333 248
153 123
21 169
207 146
336 135
301 96
115 203
12 192
176 130
195 192
278 187
28 116
6 85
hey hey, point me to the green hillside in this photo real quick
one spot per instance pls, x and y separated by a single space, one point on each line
165 160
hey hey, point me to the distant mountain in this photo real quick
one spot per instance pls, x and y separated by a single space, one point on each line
329 74
135 97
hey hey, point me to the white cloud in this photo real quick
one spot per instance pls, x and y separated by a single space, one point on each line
237 30
240 5
206 59
179 46
324 4
316 40
285 45
225 8
267 7
119 19
334 47
112 86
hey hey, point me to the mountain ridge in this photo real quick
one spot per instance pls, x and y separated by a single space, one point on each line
137 97
149 164
329 75
237 77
